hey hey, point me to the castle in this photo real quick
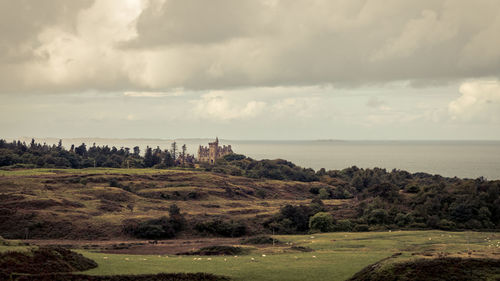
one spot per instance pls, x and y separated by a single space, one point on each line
211 153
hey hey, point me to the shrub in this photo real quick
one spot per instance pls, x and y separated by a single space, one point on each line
446 224
378 216
234 157
403 219
114 183
218 251
219 227
314 190
261 193
412 189
343 225
361 228
260 240
44 260
153 229
324 193
321 221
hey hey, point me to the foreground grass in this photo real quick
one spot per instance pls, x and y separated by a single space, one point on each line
337 256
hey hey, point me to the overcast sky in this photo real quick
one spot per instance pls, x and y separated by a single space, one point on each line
250 69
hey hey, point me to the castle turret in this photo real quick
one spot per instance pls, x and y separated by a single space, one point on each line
211 153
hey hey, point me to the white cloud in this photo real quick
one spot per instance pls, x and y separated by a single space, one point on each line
304 107
152 94
219 106
479 101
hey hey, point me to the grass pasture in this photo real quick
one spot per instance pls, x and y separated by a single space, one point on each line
336 256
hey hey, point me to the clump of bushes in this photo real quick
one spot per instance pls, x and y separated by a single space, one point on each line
221 228
321 221
218 251
278 169
161 228
343 226
44 260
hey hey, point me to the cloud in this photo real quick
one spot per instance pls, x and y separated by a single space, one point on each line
152 94
302 107
479 101
376 103
156 46
218 106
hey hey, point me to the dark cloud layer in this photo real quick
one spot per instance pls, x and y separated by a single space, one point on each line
58 45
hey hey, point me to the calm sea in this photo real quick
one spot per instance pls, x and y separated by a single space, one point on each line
464 159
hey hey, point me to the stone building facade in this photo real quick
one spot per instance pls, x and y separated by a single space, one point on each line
213 152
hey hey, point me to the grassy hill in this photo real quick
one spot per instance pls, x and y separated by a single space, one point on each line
334 256
108 203
95 203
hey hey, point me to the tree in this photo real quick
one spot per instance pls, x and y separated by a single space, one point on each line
148 157
81 150
168 160
173 150
324 193
183 155
137 151
322 221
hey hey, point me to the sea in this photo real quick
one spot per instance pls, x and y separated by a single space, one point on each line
463 159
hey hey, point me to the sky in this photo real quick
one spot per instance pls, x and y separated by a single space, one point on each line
251 69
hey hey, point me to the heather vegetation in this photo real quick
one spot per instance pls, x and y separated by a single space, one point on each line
236 197
386 199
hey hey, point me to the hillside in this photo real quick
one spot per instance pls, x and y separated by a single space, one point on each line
165 203
95 203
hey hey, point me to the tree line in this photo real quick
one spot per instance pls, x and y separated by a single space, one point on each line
17 154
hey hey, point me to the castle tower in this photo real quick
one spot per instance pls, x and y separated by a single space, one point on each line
211 153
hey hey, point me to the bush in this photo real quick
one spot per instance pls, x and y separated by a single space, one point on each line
446 225
44 260
321 221
343 225
324 193
412 189
219 227
218 251
260 240
361 228
154 229
234 157
378 216
114 183
403 219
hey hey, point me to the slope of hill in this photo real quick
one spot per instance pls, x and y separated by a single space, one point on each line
145 203
95 203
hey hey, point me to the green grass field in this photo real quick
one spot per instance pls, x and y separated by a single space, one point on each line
336 256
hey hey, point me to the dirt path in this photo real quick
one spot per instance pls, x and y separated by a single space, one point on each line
140 247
